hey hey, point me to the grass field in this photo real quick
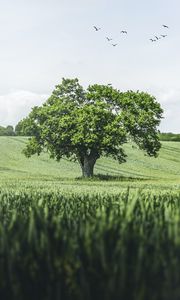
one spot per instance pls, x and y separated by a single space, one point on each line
116 236
41 172
84 247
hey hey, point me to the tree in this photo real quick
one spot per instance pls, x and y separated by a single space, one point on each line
10 130
86 124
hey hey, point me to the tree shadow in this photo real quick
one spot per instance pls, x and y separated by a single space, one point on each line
107 177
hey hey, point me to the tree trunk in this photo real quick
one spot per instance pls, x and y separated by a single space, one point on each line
87 166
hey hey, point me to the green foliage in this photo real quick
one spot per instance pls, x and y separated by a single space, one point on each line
169 137
75 247
7 131
84 125
23 128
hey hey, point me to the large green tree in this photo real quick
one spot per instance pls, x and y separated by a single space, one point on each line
86 124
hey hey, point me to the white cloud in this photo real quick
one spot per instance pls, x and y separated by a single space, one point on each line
16 105
170 97
170 101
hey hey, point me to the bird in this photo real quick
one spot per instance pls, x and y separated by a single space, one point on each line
123 31
109 39
165 26
96 28
157 38
153 40
114 45
163 35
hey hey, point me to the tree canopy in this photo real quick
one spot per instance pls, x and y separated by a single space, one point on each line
86 124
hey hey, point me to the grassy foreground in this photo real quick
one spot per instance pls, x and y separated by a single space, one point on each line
69 247
41 172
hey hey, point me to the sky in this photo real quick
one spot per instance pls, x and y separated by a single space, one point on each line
45 40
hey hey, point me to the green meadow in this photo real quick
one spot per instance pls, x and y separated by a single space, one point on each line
140 171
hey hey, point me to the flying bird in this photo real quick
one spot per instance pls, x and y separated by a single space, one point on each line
152 40
157 38
109 39
163 35
96 28
165 26
114 45
123 31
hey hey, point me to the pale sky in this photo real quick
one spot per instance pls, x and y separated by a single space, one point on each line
45 40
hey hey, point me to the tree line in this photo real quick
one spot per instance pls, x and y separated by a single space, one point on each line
21 130
169 137
7 131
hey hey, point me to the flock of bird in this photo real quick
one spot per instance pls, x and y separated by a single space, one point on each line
154 39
